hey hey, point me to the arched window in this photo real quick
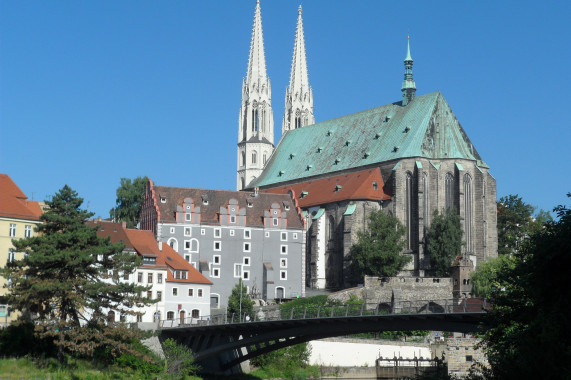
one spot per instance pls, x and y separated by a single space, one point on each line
254 157
195 313
408 210
331 228
243 182
173 243
194 245
243 158
468 212
170 315
449 191
255 120
265 158
280 293
425 199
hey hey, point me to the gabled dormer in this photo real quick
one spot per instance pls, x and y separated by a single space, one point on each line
275 217
188 213
232 214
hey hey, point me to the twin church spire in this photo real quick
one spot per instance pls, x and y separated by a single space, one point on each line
256 121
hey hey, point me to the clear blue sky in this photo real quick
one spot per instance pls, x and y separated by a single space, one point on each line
92 91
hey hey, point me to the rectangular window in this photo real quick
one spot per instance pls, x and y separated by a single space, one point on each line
295 235
28 231
126 276
275 221
217 232
246 261
283 274
283 263
267 234
216 273
247 234
187 216
11 255
150 278
140 277
202 231
159 295
233 219
246 247
200 292
12 230
172 230
217 246
216 259
187 231
139 317
246 275
149 294
283 249
187 258
187 245
159 278
231 232
284 236
237 270
191 292
175 292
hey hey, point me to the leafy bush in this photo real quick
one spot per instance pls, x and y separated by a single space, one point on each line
20 339
179 359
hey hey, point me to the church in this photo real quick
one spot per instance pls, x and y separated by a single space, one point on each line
407 158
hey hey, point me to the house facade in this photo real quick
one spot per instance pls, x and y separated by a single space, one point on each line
179 290
231 236
18 219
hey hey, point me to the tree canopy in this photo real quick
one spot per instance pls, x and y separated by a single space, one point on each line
444 241
129 201
239 302
516 221
69 276
529 323
378 248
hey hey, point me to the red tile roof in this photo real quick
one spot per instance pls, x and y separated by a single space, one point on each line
144 243
14 203
351 186
209 214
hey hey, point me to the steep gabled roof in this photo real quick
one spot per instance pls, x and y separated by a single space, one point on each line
426 127
14 203
168 198
360 185
144 243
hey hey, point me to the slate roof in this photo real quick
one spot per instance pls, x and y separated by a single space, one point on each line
144 243
351 186
209 213
14 203
370 137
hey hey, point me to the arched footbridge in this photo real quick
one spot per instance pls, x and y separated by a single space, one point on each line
221 342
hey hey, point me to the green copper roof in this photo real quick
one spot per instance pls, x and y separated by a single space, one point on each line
426 127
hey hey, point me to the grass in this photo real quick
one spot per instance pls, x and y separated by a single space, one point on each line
309 372
24 368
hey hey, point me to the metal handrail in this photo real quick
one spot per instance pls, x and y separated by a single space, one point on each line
445 306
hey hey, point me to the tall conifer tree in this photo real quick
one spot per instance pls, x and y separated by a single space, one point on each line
69 278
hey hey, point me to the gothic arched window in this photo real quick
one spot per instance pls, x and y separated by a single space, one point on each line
254 157
449 191
468 212
243 158
264 158
331 228
425 199
408 209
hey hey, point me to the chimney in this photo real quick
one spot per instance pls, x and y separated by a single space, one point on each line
124 224
256 190
160 246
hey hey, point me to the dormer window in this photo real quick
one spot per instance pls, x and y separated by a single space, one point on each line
375 186
149 260
163 200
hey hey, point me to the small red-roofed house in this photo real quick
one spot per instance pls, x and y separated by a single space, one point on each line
18 218
163 272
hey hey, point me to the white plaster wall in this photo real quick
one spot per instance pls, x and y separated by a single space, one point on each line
348 354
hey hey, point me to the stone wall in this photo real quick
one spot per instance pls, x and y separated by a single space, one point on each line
461 354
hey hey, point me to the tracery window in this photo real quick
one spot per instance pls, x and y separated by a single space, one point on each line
449 190
468 212
408 209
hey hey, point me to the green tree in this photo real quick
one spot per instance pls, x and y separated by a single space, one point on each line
528 335
378 248
129 201
444 241
69 276
179 359
239 303
485 278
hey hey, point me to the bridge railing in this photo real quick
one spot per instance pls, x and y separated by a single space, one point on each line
445 306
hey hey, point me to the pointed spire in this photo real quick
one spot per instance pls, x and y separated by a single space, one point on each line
408 86
257 60
299 95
